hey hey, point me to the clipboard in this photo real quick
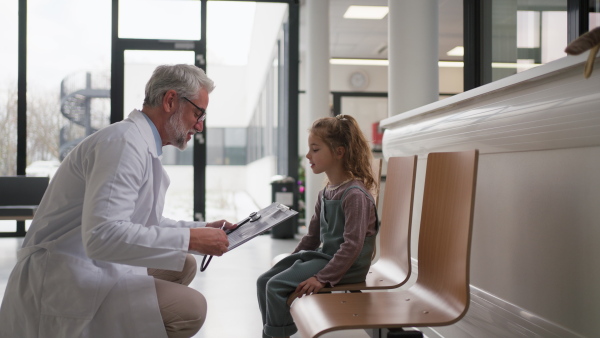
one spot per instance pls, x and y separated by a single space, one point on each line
257 223
268 217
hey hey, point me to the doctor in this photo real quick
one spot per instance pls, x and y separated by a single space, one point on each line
99 259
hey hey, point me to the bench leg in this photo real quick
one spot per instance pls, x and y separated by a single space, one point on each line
20 229
20 232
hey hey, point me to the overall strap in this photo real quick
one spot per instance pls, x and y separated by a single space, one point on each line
323 194
361 189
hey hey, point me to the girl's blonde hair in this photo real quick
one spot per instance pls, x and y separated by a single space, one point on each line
343 131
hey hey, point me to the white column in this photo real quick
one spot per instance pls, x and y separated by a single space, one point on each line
317 85
413 75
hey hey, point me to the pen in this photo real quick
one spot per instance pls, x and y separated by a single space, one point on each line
205 262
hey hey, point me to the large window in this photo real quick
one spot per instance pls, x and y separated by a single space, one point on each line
8 95
525 34
68 76
159 19
594 17
8 87
68 68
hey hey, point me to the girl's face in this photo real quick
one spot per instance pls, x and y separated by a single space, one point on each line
319 155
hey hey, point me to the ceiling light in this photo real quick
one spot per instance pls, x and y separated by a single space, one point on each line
456 51
515 65
366 12
444 64
384 62
451 64
359 62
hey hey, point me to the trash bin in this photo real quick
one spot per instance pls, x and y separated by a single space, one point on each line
284 190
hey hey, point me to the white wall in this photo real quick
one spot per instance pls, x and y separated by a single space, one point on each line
450 81
238 86
268 19
536 232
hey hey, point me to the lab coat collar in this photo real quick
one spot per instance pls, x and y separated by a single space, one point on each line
157 139
137 117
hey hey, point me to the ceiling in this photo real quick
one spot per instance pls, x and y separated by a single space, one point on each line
367 39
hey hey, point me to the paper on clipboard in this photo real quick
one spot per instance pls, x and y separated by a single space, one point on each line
269 217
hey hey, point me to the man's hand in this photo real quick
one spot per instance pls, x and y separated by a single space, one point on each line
308 287
221 224
209 240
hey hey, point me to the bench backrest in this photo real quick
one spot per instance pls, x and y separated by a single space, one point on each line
22 190
446 226
396 216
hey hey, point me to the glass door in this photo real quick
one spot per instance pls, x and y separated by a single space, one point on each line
246 137
176 35
139 65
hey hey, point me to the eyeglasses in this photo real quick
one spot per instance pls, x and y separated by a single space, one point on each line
202 116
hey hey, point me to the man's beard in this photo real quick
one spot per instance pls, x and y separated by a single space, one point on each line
177 130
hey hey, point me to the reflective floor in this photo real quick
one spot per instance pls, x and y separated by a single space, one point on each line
228 285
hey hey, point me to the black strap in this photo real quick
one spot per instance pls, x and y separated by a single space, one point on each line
204 265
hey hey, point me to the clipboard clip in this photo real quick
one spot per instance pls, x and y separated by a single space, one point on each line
253 217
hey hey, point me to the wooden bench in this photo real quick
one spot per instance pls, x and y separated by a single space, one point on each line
19 198
393 267
440 295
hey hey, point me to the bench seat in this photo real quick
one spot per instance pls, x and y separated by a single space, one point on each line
17 212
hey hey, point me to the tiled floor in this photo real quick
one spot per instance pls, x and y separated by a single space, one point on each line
228 284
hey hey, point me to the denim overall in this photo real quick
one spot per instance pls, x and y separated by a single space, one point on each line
275 285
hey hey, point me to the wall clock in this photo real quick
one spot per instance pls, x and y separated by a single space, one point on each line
358 80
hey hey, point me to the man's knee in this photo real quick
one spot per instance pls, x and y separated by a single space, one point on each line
198 308
187 323
199 305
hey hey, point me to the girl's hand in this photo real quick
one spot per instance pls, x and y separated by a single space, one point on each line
308 287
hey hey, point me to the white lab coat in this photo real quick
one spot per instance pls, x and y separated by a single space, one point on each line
82 269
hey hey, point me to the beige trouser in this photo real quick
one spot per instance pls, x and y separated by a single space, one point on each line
182 308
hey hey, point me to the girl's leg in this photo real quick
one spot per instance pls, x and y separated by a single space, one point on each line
277 318
261 284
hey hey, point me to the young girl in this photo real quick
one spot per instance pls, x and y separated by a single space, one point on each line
341 235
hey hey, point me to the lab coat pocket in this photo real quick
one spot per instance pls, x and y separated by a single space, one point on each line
70 287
